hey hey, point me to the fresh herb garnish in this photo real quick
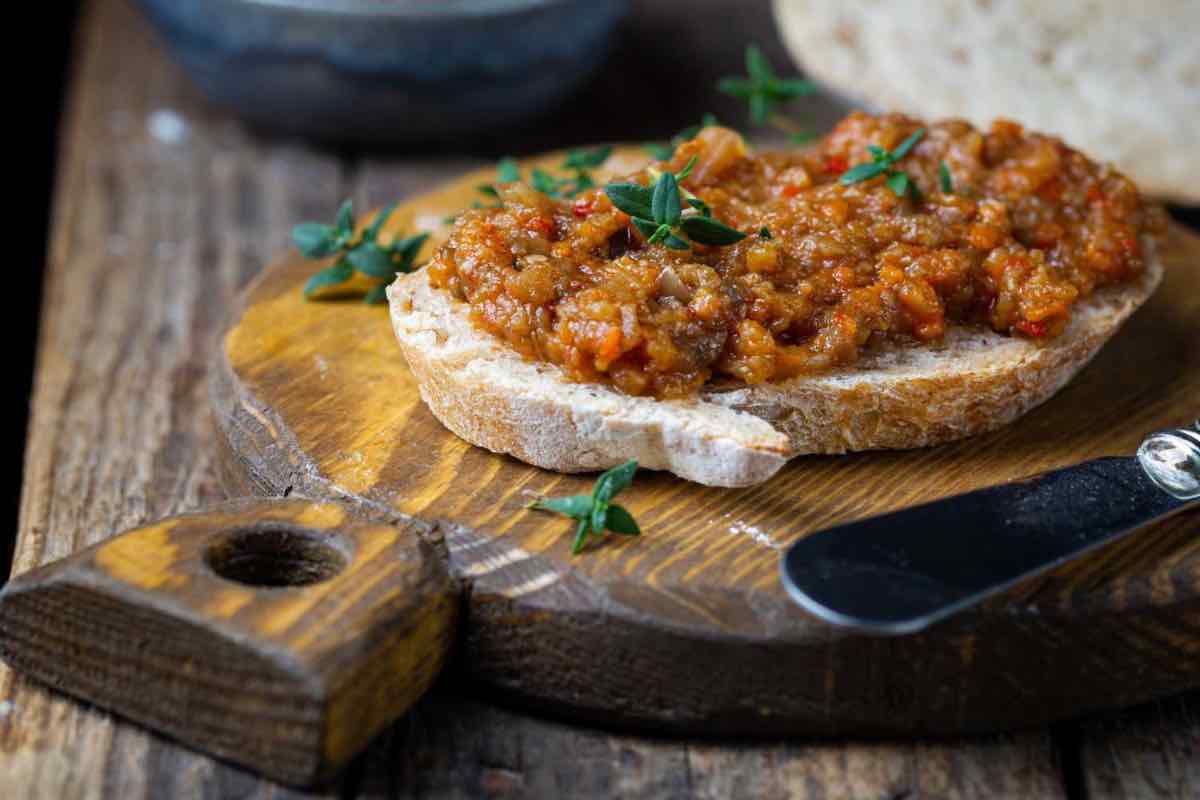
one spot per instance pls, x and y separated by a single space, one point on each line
579 162
547 184
659 212
363 253
507 171
596 512
945 179
765 92
764 232
883 163
665 152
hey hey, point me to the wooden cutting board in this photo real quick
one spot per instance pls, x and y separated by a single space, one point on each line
688 627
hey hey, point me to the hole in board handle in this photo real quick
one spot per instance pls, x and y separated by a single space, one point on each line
275 555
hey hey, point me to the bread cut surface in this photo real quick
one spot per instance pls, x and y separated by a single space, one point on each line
1119 81
896 396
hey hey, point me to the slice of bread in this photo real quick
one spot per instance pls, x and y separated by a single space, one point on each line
1120 84
896 396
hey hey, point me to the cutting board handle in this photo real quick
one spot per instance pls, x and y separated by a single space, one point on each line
278 634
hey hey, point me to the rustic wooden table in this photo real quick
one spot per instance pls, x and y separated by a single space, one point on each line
164 207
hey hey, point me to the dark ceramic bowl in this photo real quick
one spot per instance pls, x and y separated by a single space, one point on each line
387 70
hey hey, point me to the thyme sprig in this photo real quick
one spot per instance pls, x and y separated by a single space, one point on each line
884 162
945 179
363 252
665 152
579 163
507 171
659 214
765 91
595 512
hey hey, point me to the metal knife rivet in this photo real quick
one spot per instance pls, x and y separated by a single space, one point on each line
1171 459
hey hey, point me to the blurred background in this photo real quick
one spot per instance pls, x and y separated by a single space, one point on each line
463 80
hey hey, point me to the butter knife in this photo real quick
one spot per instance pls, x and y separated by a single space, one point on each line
901 572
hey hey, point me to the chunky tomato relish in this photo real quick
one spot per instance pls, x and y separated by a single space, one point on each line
1028 227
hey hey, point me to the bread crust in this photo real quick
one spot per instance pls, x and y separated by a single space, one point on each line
895 397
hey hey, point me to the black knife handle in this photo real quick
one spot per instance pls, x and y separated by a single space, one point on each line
903 571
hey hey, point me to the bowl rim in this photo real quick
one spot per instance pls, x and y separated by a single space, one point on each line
392 8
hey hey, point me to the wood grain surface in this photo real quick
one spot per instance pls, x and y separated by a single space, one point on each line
688 627
282 635
152 236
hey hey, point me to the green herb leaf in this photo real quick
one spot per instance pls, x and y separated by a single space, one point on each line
665 201
945 178
646 227
762 90
488 189
377 224
659 151
581 537
543 181
664 152
861 172
614 481
737 87
791 88
406 250
599 517
664 213
660 234
632 198
901 151
760 108
376 295
622 522
365 254
583 182
507 170
707 121
881 164
687 168
371 259
345 217
581 161
707 230
578 506
315 240
898 183
764 232
587 159
331 276
595 511
757 66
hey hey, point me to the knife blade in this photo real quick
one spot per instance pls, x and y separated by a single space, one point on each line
901 572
